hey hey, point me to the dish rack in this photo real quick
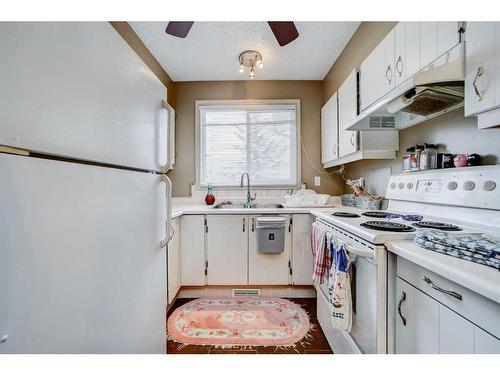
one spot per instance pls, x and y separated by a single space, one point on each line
364 202
306 197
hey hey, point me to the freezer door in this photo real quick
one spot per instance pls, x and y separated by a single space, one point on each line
79 90
82 270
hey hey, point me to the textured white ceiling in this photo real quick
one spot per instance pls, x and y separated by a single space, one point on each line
211 49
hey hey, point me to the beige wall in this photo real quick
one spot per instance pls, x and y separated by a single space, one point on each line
452 132
309 92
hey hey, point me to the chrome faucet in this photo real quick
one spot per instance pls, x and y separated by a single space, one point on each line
248 203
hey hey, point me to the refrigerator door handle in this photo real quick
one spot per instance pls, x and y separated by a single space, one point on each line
169 229
168 165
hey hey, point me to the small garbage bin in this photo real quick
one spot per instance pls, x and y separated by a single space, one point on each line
271 234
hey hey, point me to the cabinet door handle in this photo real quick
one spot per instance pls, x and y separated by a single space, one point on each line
253 224
388 74
351 139
403 298
244 222
479 94
334 149
439 289
399 63
4 338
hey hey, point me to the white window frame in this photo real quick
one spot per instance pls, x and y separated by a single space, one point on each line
243 103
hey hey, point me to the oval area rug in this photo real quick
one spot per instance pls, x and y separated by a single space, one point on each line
236 322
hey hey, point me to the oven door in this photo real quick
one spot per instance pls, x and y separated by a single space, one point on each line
368 288
364 296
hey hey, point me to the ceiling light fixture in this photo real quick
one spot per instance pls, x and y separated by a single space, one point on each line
250 59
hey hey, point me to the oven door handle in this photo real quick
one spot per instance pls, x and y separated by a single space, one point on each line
359 252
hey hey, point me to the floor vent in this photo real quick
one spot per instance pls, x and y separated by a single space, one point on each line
246 292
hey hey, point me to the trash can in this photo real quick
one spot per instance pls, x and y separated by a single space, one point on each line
271 234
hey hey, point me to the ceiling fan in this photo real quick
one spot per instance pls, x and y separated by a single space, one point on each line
284 31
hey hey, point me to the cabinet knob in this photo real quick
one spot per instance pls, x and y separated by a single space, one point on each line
479 94
388 74
399 66
403 298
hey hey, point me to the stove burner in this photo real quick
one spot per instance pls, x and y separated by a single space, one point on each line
388 226
437 225
345 214
377 214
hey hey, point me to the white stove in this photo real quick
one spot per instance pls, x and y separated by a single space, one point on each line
463 200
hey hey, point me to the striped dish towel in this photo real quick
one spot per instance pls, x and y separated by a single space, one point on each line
321 255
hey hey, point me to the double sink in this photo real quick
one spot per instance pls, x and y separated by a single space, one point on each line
242 205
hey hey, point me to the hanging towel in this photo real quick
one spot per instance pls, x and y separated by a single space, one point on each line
339 287
322 258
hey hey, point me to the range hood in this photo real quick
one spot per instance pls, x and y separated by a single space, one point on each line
435 90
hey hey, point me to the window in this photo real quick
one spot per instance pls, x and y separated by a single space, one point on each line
258 137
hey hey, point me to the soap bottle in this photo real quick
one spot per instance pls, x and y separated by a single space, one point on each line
210 197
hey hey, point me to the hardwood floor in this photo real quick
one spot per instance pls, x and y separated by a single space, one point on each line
317 345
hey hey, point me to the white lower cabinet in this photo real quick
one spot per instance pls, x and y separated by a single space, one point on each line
302 259
268 269
174 261
426 326
193 250
417 321
484 343
222 249
227 249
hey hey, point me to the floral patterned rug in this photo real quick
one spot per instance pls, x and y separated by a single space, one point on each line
239 322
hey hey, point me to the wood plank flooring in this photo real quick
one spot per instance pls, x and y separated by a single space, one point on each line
317 345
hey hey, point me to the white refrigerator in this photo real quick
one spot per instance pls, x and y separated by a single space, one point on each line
84 205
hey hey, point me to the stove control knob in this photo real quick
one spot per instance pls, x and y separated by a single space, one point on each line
401 185
489 185
409 185
393 185
452 185
469 185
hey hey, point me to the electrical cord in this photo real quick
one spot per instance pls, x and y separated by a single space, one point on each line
340 170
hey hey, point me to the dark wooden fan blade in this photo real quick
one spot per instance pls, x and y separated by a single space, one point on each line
284 31
180 29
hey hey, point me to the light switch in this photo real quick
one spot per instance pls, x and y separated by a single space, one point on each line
317 180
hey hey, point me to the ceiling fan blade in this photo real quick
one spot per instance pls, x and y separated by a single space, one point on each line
284 31
180 29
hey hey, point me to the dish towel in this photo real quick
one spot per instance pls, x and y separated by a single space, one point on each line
322 258
474 247
339 287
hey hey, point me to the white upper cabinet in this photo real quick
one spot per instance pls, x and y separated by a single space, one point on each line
481 65
389 71
347 105
428 43
367 80
436 38
329 130
407 50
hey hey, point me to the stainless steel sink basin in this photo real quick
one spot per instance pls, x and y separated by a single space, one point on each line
254 205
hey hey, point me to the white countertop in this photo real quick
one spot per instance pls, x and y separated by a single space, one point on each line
182 206
476 277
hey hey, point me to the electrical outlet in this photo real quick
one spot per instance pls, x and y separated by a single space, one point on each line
317 180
